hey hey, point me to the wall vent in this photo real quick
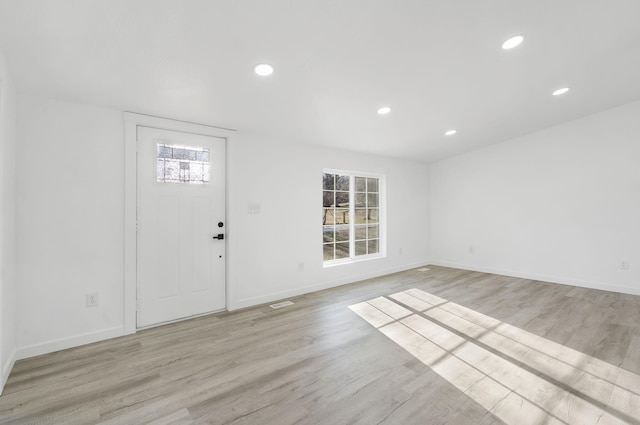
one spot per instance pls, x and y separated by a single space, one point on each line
280 305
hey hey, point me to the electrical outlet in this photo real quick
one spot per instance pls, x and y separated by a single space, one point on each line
300 267
624 265
92 300
400 251
471 250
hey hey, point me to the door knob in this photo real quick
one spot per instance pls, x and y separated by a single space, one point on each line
220 236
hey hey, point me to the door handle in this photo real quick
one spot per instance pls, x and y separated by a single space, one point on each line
220 236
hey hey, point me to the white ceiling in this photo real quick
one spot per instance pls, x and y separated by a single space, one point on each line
438 64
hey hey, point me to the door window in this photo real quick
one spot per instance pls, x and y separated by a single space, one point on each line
182 164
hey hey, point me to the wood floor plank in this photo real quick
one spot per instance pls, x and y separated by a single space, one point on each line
181 417
442 346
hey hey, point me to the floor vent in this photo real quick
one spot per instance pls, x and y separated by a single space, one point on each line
423 269
280 305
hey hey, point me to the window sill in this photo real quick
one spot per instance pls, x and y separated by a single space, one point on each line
334 263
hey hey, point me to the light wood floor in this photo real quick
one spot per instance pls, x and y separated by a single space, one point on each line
443 346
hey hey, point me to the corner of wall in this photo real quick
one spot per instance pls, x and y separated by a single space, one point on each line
6 369
8 248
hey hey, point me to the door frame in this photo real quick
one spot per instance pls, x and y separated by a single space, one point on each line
131 123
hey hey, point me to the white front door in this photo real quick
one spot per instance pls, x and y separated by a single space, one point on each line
181 225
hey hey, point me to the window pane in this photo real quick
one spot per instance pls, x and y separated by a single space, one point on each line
327 252
198 172
342 233
327 198
372 185
160 169
342 216
361 247
372 200
171 171
164 151
178 153
361 184
202 156
372 232
361 200
372 215
342 199
327 234
361 232
361 216
373 246
342 250
342 183
328 216
328 181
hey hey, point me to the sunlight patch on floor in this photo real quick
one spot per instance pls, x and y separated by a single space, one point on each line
520 377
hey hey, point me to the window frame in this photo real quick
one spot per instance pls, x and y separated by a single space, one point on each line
382 217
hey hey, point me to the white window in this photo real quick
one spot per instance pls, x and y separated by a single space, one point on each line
352 216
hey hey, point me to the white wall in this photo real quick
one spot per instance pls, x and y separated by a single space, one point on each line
560 205
8 279
286 180
71 217
70 179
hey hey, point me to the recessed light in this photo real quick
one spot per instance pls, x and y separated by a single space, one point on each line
264 69
384 111
450 133
561 91
512 42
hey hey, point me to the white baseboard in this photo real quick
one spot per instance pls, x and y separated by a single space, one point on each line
249 302
542 277
70 342
6 370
